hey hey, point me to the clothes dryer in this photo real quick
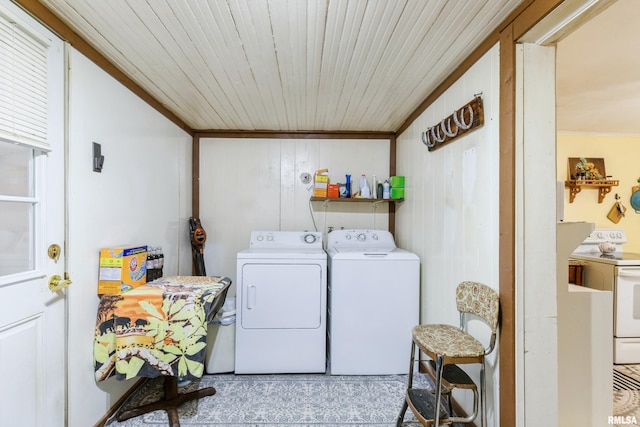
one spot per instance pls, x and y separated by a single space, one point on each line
281 302
374 300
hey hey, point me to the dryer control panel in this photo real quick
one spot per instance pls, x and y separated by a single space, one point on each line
286 239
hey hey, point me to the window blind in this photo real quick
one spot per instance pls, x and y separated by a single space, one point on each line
23 85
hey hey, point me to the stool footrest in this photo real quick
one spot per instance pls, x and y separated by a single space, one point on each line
454 376
424 402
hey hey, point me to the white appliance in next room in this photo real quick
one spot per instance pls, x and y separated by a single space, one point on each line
618 272
374 300
281 304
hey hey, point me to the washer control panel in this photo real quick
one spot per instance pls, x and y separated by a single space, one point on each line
361 239
286 239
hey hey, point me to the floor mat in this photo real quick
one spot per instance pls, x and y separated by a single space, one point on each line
283 400
626 395
626 408
623 381
632 371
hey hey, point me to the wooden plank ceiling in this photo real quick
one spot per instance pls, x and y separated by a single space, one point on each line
286 65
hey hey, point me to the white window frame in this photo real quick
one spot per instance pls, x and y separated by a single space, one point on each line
40 148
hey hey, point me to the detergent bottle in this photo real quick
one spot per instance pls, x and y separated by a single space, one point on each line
385 189
365 191
374 188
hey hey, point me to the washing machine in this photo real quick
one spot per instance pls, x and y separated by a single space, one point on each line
373 303
281 304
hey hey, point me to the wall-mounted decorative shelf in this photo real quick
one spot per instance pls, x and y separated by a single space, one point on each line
603 186
354 200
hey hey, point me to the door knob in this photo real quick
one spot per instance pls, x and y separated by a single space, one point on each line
57 283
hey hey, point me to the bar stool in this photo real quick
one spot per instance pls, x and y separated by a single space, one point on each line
448 346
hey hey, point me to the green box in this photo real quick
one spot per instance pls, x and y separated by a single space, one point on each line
397 193
396 181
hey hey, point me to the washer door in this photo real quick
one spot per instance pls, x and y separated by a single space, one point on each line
281 296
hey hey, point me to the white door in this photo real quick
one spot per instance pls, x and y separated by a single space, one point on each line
32 317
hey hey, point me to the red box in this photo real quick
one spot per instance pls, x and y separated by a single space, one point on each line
333 191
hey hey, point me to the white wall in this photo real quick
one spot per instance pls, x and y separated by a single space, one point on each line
254 184
536 287
450 216
142 196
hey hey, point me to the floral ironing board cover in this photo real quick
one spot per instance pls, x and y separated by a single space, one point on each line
157 329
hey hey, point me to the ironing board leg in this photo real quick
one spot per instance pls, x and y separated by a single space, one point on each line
170 402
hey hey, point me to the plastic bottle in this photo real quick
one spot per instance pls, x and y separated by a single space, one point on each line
155 260
365 191
161 258
386 189
348 185
149 264
374 188
156 263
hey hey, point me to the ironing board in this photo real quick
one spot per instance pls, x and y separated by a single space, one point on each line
158 329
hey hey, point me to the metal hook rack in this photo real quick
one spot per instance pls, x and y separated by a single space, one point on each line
465 119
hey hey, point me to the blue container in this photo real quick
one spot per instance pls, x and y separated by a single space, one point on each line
348 185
